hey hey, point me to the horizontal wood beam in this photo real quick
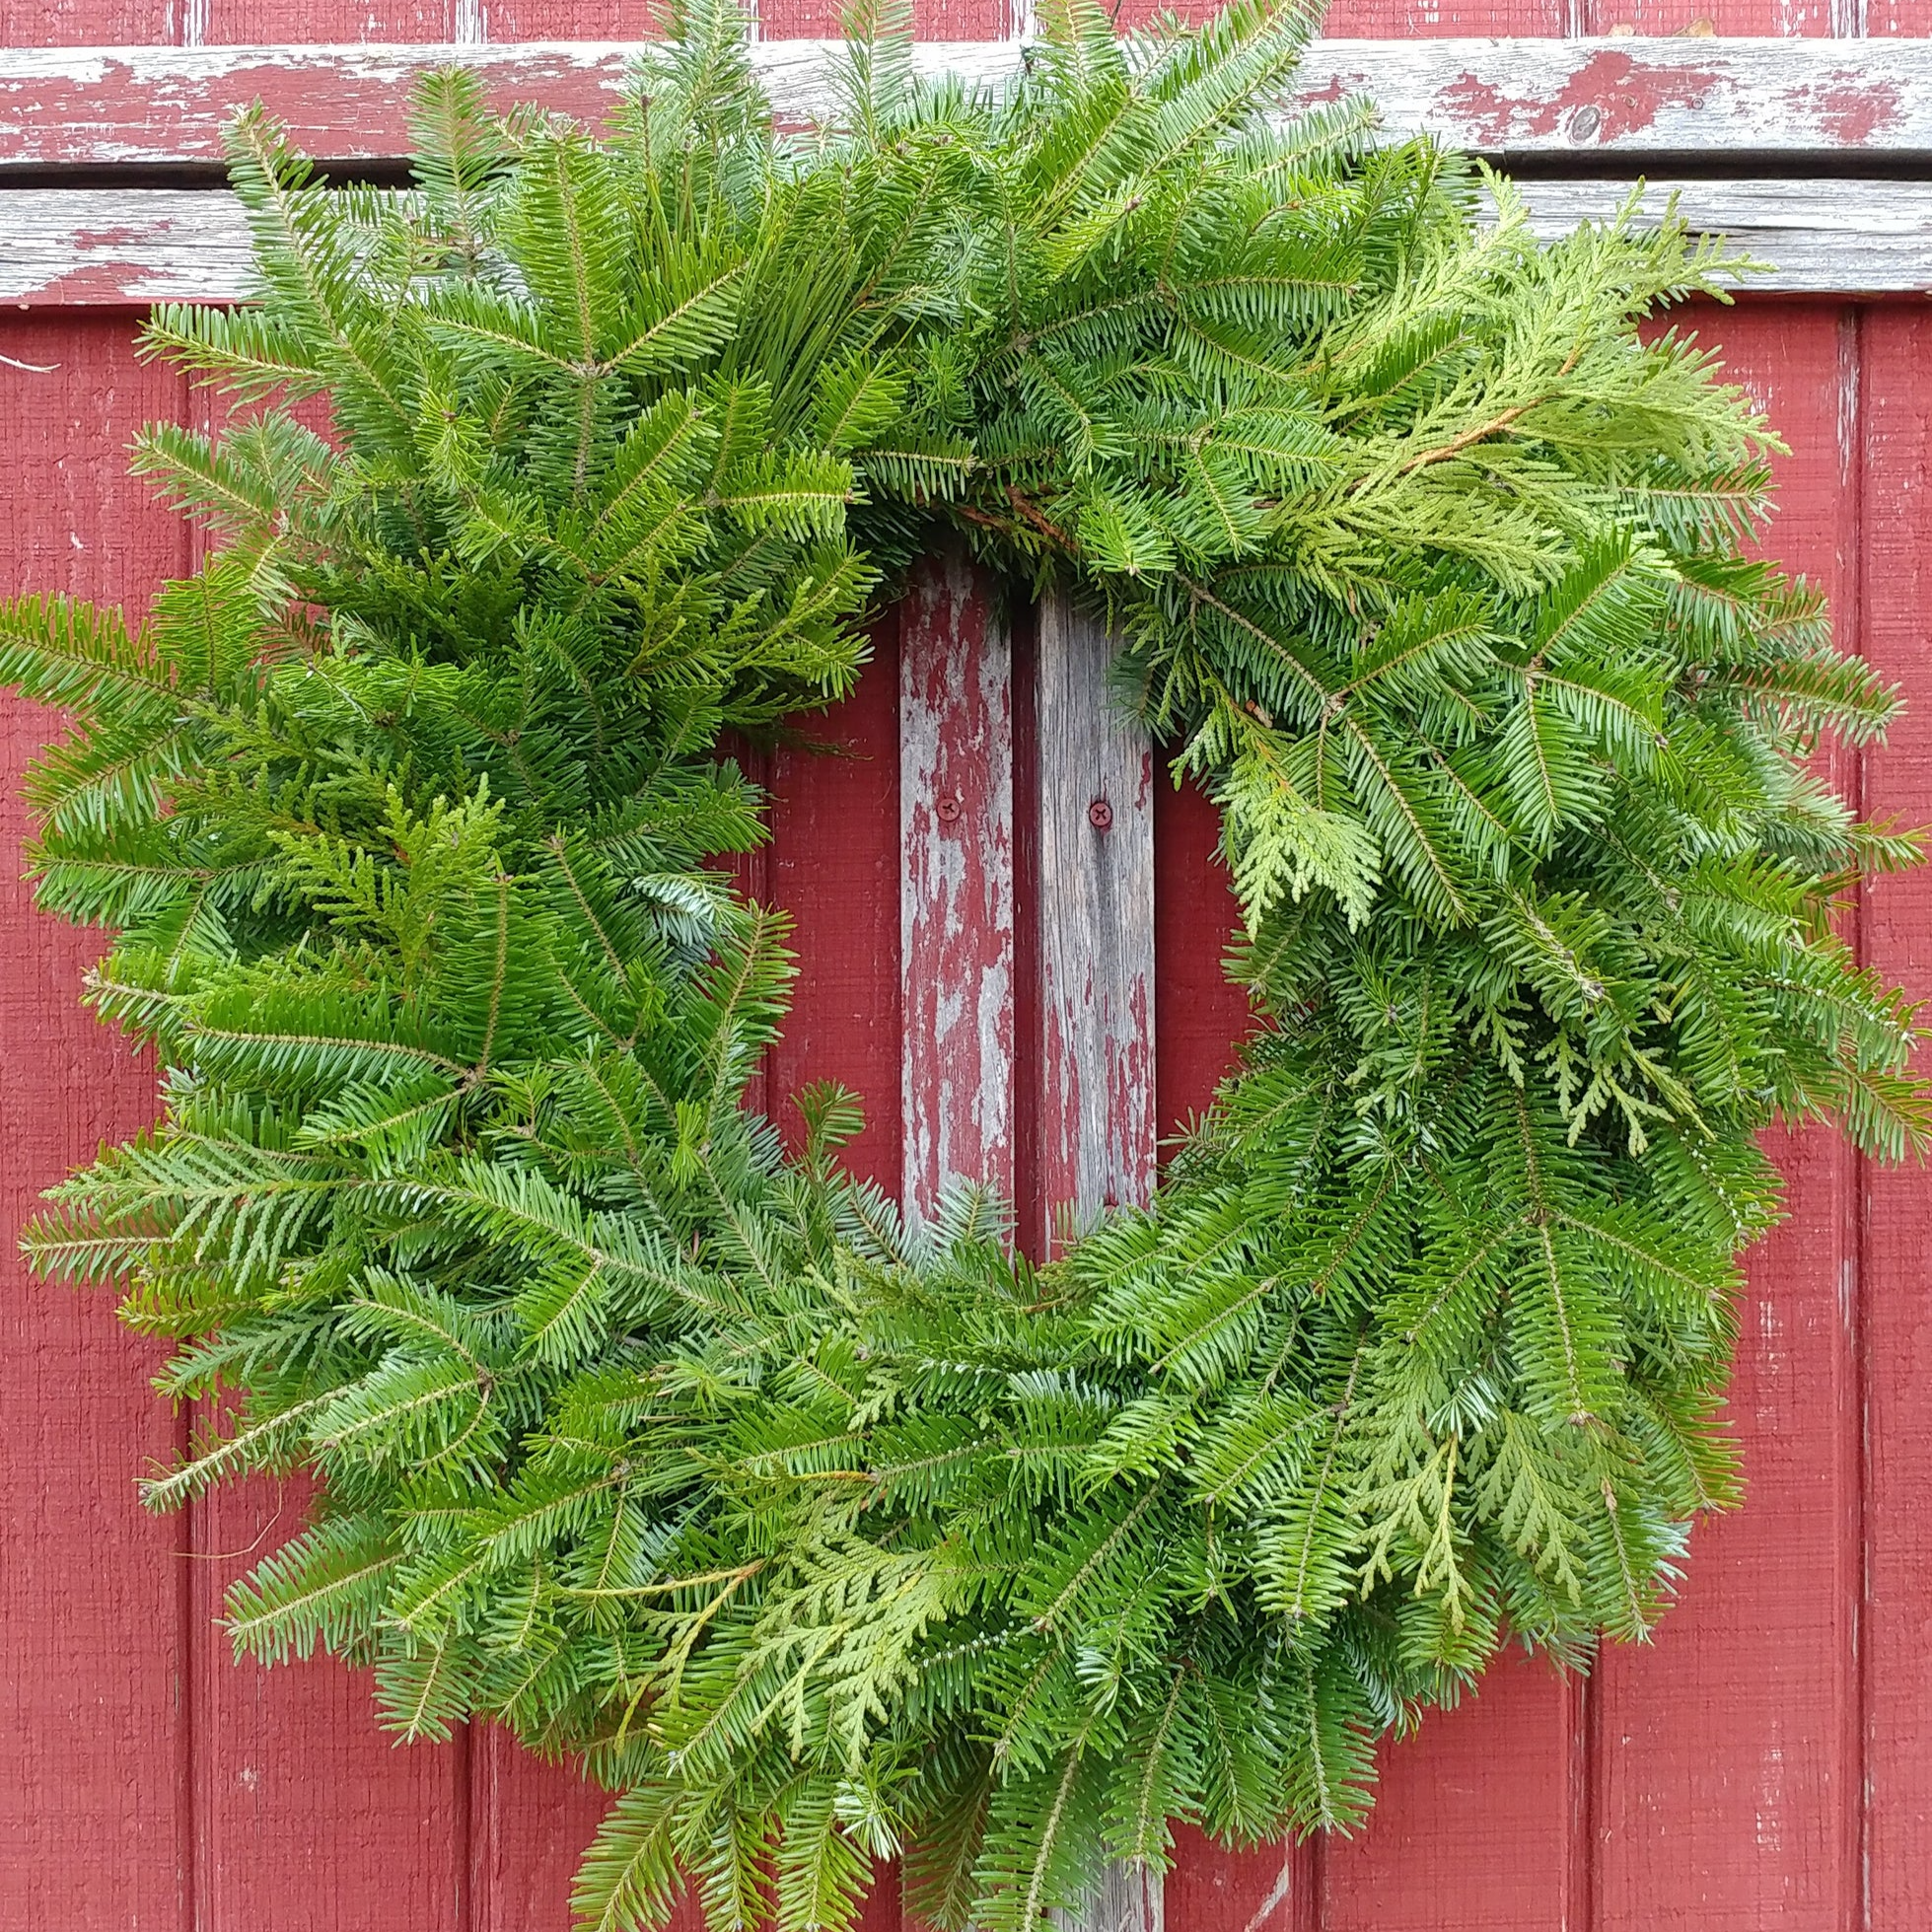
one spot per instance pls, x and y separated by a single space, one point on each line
75 108
122 248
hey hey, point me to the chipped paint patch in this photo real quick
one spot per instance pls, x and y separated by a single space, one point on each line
166 105
1855 109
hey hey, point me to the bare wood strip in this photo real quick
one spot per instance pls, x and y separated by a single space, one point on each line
1820 237
77 248
1096 925
122 248
956 884
1128 1899
1097 1133
156 106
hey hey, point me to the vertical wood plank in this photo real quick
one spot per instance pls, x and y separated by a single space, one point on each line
1096 939
1476 1822
308 1816
88 22
1895 1652
1255 1889
264 22
1127 1900
1727 1775
1825 18
530 1822
306 1812
505 20
956 886
96 1833
955 1024
932 19
833 866
1095 926
1201 1017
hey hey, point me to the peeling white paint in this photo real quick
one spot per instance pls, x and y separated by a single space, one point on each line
1283 1884
955 890
1648 97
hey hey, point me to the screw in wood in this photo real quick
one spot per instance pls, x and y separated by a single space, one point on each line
949 809
1099 815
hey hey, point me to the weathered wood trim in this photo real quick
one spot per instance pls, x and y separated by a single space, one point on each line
1096 1130
1817 237
1128 1899
116 247
1095 926
63 108
130 247
956 884
1649 97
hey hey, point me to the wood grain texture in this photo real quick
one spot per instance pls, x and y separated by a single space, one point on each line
307 1816
1895 1637
264 22
1478 1824
835 869
165 106
88 23
956 884
529 1822
1095 786
128 248
1818 237
1200 1015
71 107
1727 1774
1127 1900
1568 100
1095 926
96 1833
1200 1019
78 248
504 22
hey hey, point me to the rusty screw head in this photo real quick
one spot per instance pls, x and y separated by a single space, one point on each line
1099 815
948 810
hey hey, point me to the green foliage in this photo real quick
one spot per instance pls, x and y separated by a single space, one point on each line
820 1536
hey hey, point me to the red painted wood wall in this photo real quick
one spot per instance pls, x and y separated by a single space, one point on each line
1766 1762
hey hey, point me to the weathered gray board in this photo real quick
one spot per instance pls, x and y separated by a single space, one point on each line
1096 998
1096 766
74 246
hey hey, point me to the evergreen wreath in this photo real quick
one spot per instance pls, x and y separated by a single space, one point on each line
819 1535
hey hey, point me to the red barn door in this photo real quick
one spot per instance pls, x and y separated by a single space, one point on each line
1762 1764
